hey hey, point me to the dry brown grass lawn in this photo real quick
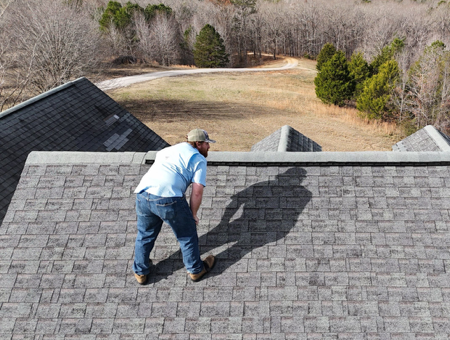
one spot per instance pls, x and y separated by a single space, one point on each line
240 109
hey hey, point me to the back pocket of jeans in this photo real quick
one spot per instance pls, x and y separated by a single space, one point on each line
166 204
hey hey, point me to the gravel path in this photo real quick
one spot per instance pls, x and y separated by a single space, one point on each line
126 81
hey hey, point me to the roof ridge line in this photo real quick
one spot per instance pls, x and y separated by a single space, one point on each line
39 97
283 143
437 137
249 158
321 158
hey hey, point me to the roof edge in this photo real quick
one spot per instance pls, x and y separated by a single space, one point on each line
249 158
81 157
437 137
284 138
322 158
39 97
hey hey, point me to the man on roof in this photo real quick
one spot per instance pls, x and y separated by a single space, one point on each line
161 198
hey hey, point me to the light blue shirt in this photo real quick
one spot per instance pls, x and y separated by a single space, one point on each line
174 169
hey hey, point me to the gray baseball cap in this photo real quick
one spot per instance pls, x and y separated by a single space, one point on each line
199 135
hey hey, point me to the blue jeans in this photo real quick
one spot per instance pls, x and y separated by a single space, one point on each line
151 212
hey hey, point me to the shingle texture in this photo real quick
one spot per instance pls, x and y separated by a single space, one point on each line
287 139
310 252
75 117
426 139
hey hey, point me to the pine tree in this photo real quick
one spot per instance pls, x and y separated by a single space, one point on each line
326 53
187 46
359 71
333 83
120 16
108 14
374 99
386 54
151 11
209 50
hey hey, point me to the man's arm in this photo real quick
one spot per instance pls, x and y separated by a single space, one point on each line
196 199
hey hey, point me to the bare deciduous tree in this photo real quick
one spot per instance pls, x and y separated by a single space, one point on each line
428 94
303 27
53 42
166 39
273 28
12 84
399 94
44 43
118 41
145 44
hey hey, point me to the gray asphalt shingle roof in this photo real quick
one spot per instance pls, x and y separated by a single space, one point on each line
287 139
427 139
76 116
310 246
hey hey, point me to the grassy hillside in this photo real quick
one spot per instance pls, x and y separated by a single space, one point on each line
240 109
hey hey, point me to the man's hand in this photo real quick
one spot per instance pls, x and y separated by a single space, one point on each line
196 199
196 219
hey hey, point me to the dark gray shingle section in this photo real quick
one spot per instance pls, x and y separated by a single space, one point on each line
445 137
426 139
74 117
287 139
305 252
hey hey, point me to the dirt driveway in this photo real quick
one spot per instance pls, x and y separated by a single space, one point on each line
129 80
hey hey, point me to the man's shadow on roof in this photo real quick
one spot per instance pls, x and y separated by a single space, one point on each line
261 214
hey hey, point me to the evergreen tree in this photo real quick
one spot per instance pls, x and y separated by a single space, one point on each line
108 14
374 99
151 10
120 16
326 53
438 45
187 46
386 54
359 71
209 50
333 83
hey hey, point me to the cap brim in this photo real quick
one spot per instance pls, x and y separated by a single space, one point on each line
210 141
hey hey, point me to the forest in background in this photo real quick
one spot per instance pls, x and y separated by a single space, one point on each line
46 43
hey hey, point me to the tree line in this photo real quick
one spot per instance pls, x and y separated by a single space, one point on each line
48 42
391 87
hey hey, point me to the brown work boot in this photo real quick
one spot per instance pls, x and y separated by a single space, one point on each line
141 279
208 264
